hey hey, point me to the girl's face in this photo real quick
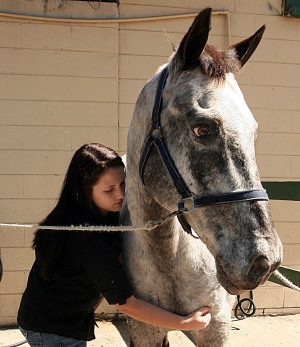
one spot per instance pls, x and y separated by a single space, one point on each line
109 191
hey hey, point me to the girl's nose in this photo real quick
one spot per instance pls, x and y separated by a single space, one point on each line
121 192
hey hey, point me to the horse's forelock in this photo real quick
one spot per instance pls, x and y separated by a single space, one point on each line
216 64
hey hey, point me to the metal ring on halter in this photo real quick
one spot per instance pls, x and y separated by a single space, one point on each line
181 204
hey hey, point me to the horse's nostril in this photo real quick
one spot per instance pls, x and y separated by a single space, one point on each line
259 268
261 263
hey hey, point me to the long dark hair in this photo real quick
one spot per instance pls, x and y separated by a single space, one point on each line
75 205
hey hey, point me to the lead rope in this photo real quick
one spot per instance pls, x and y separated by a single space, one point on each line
98 228
150 225
285 280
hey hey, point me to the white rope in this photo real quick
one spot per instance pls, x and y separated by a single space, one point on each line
285 280
100 228
147 226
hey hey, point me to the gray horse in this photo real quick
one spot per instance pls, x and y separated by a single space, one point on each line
209 133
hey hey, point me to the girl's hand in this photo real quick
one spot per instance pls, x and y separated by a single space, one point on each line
197 320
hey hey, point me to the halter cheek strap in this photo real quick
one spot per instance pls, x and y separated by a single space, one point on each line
155 138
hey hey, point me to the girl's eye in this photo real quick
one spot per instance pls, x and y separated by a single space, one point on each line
203 132
108 191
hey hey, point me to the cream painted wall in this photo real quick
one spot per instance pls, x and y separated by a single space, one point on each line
64 83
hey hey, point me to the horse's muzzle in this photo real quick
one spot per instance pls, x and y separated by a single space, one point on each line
259 271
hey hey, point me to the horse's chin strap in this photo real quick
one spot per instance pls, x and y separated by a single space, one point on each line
155 138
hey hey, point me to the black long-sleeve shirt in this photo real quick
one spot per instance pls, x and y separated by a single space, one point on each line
64 305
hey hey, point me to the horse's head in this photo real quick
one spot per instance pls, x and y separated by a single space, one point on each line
210 134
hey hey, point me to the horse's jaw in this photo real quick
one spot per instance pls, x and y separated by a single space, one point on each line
225 281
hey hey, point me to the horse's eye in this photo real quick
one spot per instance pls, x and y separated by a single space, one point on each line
203 132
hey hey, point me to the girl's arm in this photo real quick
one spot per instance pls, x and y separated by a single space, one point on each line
148 313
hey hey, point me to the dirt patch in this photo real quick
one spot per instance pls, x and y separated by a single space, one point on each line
280 331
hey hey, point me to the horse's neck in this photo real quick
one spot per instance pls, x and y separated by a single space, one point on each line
166 239
143 208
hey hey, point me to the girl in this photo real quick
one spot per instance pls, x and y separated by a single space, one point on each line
72 269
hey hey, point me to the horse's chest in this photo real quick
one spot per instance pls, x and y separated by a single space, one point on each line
162 273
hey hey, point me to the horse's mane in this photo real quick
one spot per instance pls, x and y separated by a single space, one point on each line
215 63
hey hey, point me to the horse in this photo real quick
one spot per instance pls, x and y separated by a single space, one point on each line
191 150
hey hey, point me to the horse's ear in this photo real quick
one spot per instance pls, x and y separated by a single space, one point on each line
194 40
246 48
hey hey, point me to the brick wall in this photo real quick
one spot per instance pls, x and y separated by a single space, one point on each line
66 83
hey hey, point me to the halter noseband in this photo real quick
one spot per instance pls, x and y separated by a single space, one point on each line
155 138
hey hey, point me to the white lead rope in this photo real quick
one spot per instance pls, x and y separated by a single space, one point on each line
99 228
285 280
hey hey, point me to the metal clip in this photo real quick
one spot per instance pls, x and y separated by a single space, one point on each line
154 223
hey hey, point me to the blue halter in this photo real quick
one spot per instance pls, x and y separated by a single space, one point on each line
155 138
